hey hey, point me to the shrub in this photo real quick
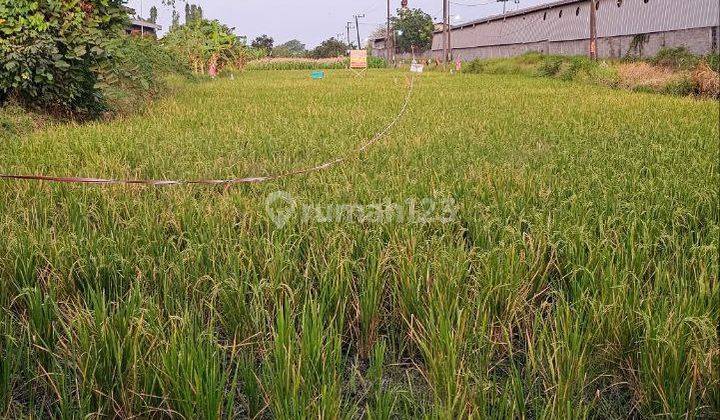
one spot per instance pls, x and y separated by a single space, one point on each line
707 80
50 52
476 66
202 43
681 87
603 74
139 63
550 66
377 62
571 67
713 60
136 68
676 58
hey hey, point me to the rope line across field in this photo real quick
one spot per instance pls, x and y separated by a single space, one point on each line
227 182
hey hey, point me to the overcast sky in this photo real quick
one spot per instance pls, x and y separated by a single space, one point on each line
312 21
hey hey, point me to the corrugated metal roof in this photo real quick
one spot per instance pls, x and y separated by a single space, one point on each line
519 12
545 23
145 24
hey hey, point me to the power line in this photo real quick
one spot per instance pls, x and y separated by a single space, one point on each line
487 3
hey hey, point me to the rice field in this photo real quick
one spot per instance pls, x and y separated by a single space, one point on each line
568 267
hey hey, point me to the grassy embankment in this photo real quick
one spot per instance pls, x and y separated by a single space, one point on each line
579 277
672 71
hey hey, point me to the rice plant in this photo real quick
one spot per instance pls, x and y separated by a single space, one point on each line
577 279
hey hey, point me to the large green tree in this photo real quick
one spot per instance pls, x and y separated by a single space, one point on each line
51 51
414 29
193 13
263 42
153 14
292 48
329 48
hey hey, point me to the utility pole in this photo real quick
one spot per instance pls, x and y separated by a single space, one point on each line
504 2
449 32
447 44
142 24
446 33
593 29
357 28
347 29
387 34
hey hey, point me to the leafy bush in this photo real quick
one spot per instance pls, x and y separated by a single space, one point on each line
682 87
377 62
676 58
202 43
50 52
137 67
713 60
550 66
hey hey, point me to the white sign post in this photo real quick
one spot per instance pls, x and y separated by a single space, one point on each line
417 68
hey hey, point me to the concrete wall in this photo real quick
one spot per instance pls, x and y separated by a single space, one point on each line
698 41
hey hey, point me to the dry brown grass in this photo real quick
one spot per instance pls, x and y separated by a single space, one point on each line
640 74
707 80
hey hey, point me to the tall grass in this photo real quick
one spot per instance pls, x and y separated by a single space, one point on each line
673 71
579 278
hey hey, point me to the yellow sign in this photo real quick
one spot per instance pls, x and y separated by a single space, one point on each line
358 59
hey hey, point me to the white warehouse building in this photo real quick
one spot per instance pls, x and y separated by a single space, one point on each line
624 28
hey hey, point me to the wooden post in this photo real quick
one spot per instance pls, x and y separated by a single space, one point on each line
449 33
444 23
593 29
387 34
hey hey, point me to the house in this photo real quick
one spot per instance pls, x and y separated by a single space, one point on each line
140 27
624 28
379 47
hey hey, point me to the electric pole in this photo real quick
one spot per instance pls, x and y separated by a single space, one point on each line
504 2
357 28
347 29
447 44
593 29
449 33
142 24
387 34
445 31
